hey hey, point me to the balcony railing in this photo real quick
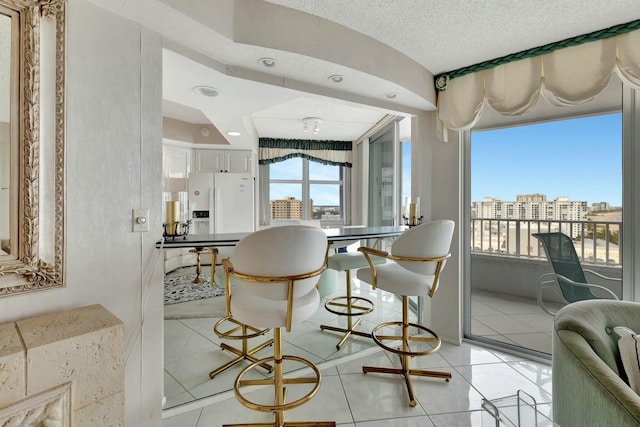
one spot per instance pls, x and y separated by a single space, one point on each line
596 242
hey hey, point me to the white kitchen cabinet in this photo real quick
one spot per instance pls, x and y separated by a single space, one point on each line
176 165
215 161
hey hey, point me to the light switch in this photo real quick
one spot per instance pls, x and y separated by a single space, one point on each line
140 220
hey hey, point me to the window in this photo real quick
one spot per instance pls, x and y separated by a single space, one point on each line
562 175
303 189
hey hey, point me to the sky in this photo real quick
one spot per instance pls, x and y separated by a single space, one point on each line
321 194
324 195
578 158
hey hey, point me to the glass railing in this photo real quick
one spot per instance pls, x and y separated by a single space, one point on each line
596 242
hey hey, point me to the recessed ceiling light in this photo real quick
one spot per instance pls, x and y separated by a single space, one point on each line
207 91
233 133
391 95
336 78
267 62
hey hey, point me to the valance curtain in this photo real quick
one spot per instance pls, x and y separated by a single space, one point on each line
273 150
568 76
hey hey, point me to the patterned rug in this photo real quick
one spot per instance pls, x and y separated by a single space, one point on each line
181 289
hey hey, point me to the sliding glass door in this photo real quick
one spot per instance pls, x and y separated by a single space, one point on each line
384 167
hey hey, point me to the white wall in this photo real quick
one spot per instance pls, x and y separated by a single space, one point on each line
435 171
113 164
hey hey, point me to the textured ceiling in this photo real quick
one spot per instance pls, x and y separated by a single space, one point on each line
445 35
218 43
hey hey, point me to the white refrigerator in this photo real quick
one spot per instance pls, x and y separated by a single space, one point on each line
221 203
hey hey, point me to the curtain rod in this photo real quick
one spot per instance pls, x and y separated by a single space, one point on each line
442 80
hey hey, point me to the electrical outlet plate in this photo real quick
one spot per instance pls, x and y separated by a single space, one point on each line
140 220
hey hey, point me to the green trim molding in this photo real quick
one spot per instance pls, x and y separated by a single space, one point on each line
442 80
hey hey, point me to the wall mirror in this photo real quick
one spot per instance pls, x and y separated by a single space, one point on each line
32 93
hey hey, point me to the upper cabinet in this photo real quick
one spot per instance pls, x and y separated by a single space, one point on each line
176 162
215 161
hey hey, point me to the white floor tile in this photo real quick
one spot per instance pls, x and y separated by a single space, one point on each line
178 400
542 322
438 396
181 341
188 419
204 326
171 386
466 354
460 419
538 373
364 389
504 324
420 421
329 404
480 329
354 399
379 358
535 341
495 381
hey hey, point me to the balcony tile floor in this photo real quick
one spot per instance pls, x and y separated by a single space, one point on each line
511 319
352 398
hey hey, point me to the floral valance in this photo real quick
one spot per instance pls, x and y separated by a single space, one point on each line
568 76
273 150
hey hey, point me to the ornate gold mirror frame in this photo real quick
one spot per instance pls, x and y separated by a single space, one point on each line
36 261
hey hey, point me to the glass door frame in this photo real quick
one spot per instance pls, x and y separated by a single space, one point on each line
396 174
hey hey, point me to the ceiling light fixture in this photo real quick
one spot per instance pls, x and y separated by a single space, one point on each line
208 91
336 78
311 123
391 95
268 62
233 133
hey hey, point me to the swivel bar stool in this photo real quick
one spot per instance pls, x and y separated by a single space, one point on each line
348 305
416 261
277 271
231 329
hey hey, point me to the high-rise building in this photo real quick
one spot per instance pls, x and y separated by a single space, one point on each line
534 207
287 208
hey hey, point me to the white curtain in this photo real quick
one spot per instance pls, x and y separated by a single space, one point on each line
569 76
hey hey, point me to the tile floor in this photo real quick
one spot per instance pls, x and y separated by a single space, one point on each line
350 397
511 319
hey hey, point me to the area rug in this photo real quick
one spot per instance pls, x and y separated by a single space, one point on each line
179 289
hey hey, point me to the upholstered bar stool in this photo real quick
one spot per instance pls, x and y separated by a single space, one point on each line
277 270
416 260
231 329
348 305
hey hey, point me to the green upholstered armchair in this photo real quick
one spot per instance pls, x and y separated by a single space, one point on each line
589 382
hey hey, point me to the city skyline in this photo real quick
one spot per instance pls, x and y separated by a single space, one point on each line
576 158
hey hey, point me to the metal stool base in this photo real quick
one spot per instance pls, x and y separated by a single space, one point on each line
279 384
244 353
361 306
405 352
